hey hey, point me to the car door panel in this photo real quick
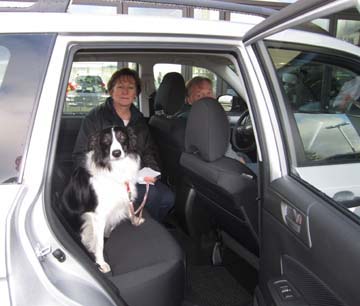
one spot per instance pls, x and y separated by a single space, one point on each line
325 273
309 242
308 256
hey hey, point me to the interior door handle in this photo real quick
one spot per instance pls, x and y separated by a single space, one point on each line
292 217
296 221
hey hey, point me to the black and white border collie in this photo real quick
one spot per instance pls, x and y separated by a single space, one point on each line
97 196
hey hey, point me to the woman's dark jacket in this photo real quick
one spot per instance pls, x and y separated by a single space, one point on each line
104 116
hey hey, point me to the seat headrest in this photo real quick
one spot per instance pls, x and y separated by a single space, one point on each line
207 130
171 93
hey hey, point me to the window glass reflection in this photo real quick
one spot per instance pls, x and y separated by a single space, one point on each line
281 1
322 23
349 30
92 9
149 11
16 4
238 17
4 60
206 14
23 58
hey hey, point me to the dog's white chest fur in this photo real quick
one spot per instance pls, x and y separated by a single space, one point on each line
110 187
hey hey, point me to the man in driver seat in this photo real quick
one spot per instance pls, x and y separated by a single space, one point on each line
201 87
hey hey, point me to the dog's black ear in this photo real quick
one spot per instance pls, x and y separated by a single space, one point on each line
94 140
94 145
132 139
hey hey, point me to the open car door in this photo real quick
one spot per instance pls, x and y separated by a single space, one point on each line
308 123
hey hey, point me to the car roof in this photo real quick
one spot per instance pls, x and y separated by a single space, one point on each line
108 24
90 24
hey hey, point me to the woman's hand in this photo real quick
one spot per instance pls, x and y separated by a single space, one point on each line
150 179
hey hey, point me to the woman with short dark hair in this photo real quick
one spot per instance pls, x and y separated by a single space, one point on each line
124 72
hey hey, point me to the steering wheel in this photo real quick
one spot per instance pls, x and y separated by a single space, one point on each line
243 134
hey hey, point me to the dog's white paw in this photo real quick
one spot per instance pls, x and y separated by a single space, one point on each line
104 267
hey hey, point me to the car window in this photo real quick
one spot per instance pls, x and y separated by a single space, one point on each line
220 87
87 85
23 61
161 69
322 96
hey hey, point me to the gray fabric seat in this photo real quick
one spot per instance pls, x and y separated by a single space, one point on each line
225 186
168 130
147 264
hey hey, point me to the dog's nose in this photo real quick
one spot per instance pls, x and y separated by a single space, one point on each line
116 153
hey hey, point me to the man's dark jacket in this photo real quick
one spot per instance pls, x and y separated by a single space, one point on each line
104 116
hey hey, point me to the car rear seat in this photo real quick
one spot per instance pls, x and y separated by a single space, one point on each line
147 264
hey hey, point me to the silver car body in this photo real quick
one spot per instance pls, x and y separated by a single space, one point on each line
27 273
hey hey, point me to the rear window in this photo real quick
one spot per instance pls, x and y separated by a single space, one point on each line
87 85
23 62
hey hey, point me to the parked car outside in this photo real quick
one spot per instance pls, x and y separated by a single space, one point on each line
86 91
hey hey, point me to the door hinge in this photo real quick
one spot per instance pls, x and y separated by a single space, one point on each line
42 252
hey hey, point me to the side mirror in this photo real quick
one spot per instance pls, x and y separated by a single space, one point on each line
226 102
232 103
